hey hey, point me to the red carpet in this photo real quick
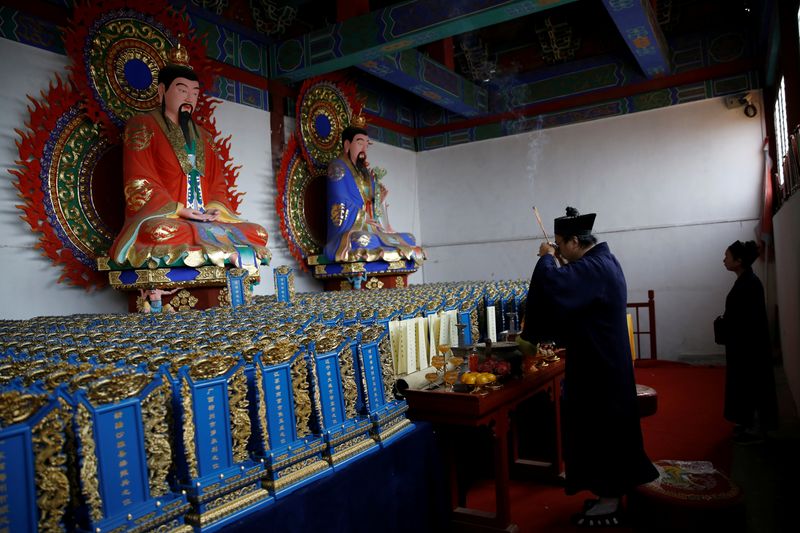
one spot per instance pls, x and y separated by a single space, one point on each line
687 426
689 423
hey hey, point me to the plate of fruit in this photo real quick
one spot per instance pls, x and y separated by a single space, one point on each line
480 381
498 367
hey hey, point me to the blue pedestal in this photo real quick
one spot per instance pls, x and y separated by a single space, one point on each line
401 489
287 415
386 413
124 451
347 431
215 469
32 440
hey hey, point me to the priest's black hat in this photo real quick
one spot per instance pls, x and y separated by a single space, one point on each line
574 223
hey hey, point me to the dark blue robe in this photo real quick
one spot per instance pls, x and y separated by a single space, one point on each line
584 306
749 379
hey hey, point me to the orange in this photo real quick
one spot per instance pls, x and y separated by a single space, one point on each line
483 379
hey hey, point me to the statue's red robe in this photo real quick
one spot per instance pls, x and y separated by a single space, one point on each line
156 165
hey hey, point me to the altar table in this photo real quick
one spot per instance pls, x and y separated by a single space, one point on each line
449 411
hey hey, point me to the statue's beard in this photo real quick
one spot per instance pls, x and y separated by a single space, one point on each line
184 120
361 160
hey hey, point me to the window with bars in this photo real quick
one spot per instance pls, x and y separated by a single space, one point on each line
781 130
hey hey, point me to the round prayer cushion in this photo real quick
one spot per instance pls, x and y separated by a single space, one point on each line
688 495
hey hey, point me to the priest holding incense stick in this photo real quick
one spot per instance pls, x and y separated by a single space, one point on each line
585 301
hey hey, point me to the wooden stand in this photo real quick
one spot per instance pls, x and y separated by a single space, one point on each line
374 281
451 410
206 297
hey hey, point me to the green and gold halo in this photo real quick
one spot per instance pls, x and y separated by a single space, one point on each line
324 110
117 50
123 71
58 181
73 152
300 190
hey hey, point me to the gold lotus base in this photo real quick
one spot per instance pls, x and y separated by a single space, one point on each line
194 298
377 281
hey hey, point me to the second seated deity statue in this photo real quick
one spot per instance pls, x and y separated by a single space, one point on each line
177 207
357 223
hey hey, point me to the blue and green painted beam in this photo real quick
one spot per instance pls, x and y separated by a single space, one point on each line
429 79
639 28
389 31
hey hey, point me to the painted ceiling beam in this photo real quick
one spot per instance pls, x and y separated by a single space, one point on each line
429 79
705 74
390 30
638 26
559 81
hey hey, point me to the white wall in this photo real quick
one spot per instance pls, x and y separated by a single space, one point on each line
672 188
403 200
787 267
28 279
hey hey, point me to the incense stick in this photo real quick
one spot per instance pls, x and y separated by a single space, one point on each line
539 220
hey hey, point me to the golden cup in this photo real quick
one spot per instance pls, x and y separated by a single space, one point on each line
432 377
450 377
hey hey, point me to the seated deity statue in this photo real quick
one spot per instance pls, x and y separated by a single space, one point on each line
357 221
177 209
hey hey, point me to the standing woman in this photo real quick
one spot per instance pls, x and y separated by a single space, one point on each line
750 400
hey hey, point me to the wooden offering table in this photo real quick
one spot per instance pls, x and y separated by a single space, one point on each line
452 410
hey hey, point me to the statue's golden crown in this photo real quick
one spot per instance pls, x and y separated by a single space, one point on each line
359 121
179 56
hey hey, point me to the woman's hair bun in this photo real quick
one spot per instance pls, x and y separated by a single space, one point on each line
747 252
572 212
750 252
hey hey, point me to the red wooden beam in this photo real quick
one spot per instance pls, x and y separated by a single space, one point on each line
277 110
390 125
443 52
694 76
237 74
347 9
